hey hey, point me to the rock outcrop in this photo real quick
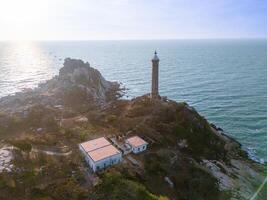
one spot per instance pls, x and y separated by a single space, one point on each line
187 158
76 84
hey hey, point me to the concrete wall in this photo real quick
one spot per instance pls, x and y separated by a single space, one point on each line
101 164
139 149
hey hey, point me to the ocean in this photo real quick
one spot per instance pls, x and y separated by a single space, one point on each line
225 80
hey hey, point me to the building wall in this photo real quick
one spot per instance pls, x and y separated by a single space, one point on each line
112 160
85 155
101 164
139 149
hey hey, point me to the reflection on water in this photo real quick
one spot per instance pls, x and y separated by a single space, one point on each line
23 65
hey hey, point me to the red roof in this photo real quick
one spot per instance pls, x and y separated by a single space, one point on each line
99 149
103 153
95 144
136 141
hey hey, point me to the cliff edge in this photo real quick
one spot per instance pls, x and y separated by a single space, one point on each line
187 157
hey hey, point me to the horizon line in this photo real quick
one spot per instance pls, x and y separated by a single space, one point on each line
131 39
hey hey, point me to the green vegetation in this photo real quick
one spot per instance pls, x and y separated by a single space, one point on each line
9 125
190 181
162 123
66 190
44 177
23 145
116 187
42 117
202 142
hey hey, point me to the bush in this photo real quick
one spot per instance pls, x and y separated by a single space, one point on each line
111 119
50 124
40 116
116 187
194 183
9 124
23 145
69 189
153 164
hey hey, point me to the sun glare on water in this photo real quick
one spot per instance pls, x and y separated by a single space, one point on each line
28 65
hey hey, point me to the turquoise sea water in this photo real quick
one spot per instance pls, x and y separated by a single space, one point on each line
225 80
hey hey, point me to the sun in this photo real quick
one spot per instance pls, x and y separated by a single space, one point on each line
18 18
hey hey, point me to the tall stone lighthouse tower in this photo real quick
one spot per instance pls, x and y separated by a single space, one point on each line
155 77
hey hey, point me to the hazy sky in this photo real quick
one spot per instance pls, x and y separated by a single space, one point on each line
131 19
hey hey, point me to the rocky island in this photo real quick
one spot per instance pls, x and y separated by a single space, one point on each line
187 158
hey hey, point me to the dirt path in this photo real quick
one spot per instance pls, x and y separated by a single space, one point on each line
51 153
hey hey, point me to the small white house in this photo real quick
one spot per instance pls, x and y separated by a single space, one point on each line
137 144
100 153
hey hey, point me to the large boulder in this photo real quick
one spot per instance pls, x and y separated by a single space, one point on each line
77 85
78 74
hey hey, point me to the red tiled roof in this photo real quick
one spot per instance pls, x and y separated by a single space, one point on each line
136 141
103 153
95 144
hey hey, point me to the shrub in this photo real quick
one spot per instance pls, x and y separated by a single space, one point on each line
69 189
50 124
116 187
111 118
23 145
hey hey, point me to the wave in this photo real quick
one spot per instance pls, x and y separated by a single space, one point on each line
252 155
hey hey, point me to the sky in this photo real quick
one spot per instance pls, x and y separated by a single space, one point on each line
131 19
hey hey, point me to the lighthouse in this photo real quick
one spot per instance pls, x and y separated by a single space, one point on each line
155 77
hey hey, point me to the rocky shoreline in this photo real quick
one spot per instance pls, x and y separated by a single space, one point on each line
79 104
74 76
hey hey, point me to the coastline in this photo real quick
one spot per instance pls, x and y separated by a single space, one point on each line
187 74
250 151
80 104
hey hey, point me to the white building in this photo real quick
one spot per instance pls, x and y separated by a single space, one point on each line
137 144
100 153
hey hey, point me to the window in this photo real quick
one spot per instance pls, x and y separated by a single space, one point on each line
144 147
